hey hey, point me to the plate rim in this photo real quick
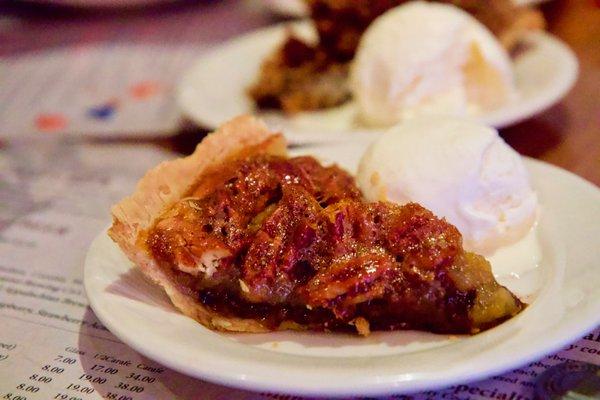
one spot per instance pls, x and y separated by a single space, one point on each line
388 386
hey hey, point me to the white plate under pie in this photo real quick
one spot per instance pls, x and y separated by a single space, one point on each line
214 89
566 306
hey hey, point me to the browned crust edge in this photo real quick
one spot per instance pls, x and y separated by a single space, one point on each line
167 183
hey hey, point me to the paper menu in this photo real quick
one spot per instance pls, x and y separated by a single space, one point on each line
93 90
54 199
107 74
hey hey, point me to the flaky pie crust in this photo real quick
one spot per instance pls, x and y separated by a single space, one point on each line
166 184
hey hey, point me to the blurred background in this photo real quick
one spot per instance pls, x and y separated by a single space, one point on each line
108 70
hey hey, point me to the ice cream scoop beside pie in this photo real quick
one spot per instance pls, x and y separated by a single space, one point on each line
244 238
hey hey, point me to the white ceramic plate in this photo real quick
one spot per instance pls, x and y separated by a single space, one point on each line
287 8
214 89
565 308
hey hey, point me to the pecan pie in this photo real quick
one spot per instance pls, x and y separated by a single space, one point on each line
302 76
243 238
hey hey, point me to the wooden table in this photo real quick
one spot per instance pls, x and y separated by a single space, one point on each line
568 134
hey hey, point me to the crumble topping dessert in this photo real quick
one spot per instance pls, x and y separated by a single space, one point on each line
318 80
309 81
243 238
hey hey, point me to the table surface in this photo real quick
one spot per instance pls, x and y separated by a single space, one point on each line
568 134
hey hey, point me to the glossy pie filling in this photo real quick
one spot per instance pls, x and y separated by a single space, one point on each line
288 241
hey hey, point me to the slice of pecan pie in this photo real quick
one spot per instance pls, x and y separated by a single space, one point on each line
243 238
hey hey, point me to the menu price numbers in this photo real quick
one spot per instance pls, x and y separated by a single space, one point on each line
40 378
116 396
104 369
28 388
65 360
92 379
80 388
130 388
140 378
53 369
64 396
10 396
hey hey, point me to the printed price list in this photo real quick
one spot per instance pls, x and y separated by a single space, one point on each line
61 377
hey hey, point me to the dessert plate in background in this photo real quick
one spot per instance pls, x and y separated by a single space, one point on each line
565 307
214 89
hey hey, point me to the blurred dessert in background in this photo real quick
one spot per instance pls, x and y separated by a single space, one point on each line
431 59
300 77
313 76
460 170
341 23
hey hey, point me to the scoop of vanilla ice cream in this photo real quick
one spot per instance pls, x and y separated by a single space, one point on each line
458 169
428 58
